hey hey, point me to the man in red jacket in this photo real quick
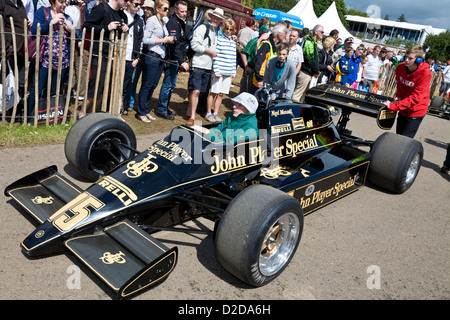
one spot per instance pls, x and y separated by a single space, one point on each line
413 92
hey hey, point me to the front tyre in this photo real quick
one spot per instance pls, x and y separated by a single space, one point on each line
259 234
98 143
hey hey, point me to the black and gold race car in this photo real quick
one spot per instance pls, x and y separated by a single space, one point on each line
257 191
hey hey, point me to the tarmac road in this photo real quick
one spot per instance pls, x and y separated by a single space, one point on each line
371 245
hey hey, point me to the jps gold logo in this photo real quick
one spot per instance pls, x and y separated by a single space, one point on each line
41 200
136 169
274 172
109 258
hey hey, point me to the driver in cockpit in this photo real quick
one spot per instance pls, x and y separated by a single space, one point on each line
240 124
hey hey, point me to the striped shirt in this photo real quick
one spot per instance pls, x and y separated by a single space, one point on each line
225 62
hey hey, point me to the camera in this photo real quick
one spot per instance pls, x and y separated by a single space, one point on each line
73 2
174 35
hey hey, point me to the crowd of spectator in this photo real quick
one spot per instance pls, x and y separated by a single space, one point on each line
161 43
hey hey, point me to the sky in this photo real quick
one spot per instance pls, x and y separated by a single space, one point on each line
431 12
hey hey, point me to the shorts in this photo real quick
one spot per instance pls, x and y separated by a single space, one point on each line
220 85
199 79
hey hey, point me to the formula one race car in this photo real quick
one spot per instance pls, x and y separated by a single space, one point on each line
256 191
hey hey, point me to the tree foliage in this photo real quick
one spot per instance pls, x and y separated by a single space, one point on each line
284 5
402 18
320 6
438 46
354 12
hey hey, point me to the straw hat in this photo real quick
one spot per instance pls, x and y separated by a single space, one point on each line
149 4
218 12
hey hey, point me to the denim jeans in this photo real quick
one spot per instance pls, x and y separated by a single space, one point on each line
131 96
447 157
169 83
408 126
152 71
127 80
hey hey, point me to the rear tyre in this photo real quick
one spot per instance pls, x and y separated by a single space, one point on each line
259 234
97 143
395 162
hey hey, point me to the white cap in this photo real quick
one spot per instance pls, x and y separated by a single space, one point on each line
247 100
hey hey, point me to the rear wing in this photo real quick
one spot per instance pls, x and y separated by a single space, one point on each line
350 100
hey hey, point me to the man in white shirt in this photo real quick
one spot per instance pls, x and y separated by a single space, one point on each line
445 87
134 49
372 69
295 51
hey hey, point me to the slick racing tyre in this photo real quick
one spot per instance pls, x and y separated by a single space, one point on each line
437 102
259 234
97 143
395 162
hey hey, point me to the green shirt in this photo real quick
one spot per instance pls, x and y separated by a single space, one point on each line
235 129
250 50
311 56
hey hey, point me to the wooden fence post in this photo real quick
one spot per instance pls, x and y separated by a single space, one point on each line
25 91
71 72
3 54
36 74
16 72
49 74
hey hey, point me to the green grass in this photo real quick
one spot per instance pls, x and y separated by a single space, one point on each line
19 135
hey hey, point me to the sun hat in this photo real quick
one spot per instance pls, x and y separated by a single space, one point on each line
218 12
247 100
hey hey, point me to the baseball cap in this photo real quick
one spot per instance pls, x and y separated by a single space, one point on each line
349 39
264 28
247 100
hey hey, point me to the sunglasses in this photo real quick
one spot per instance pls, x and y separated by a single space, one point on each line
136 4
165 9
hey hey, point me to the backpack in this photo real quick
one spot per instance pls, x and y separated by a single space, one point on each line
189 52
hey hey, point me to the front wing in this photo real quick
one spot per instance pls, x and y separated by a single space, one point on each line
123 256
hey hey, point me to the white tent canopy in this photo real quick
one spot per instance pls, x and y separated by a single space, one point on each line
330 20
305 11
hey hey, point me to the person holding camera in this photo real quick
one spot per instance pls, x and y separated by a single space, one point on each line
156 38
55 16
177 58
